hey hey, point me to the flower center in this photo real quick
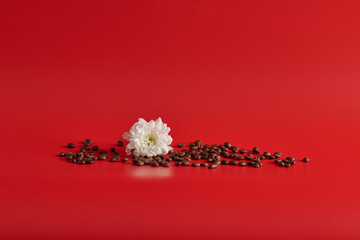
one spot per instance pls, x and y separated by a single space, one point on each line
149 140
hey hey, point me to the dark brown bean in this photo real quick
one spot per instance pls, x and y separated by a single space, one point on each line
233 162
70 145
255 150
242 164
182 145
306 160
212 166
124 159
203 164
62 154
242 151
224 162
120 143
249 156
195 164
112 149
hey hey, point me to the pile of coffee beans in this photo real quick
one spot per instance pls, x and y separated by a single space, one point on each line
196 155
89 153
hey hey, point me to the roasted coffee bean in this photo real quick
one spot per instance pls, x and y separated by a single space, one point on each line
81 162
306 160
182 145
209 160
266 154
87 147
233 155
88 141
226 154
255 150
235 149
249 156
277 154
212 166
227 144
81 157
272 157
242 164
154 164
169 159
178 164
242 151
71 145
203 164
102 157
217 157
166 164
257 165
195 164
102 151
69 157
112 149
290 159
281 164
287 165
124 159
233 162
139 163
239 157
113 159
224 162
62 154
197 157
120 143
185 163
197 142
278 161
95 148
73 160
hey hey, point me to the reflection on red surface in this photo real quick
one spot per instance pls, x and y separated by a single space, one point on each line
150 172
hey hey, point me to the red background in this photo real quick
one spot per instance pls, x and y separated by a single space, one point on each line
280 75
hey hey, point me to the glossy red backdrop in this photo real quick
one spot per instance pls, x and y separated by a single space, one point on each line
280 75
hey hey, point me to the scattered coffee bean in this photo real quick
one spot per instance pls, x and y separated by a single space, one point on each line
249 156
203 164
71 145
224 162
62 154
120 143
242 151
242 164
306 160
182 145
88 142
255 150
102 157
212 166
112 149
277 154
95 148
195 164
266 154
233 162
102 151
124 159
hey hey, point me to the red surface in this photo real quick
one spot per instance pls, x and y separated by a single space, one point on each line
280 75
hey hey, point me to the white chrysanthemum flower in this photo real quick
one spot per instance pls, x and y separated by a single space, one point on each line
148 138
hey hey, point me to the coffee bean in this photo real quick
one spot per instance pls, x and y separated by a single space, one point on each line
154 164
242 151
235 149
178 163
113 159
185 163
224 162
73 160
287 165
112 149
281 164
71 145
277 154
227 144
233 155
124 159
290 159
62 154
233 162
239 157
272 157
120 143
242 164
249 156
255 150
212 166
278 161
257 165
69 157
183 145
102 151
88 141
139 163
87 147
306 160
95 148
266 154
195 164
102 157
203 164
